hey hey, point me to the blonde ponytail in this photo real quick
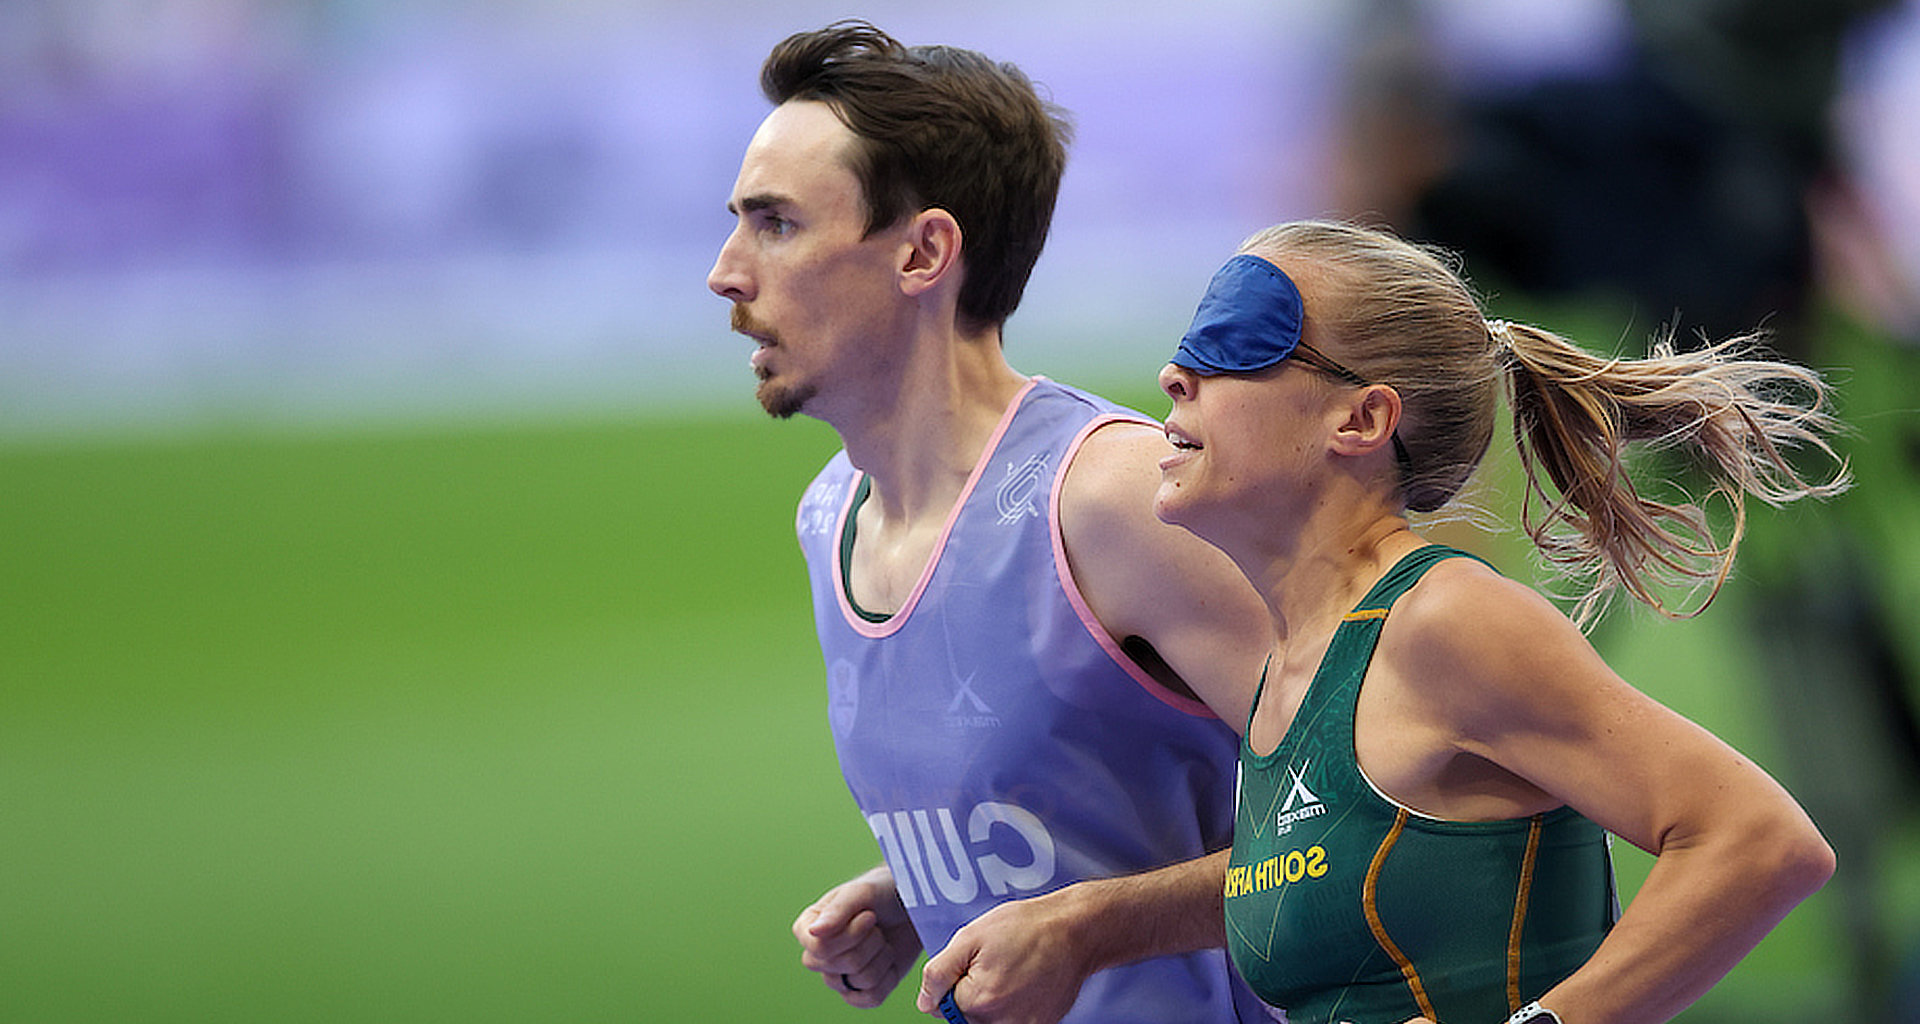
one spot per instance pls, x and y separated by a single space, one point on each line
1738 416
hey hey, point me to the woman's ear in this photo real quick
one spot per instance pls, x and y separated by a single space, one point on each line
1373 414
932 250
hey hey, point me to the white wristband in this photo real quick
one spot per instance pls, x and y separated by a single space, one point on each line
1534 1013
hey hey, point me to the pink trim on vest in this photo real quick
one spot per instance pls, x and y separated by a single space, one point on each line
876 630
1079 602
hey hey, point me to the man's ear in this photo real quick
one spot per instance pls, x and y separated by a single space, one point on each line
932 251
1373 414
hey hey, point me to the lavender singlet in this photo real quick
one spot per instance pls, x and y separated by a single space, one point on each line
995 738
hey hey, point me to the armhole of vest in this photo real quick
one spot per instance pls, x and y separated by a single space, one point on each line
1071 588
1373 616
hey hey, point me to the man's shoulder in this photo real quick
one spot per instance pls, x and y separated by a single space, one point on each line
1119 460
1106 496
1100 406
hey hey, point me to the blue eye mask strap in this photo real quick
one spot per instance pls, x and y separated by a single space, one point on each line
1248 320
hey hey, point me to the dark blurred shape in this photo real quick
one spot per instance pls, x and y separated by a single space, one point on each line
1625 185
1679 181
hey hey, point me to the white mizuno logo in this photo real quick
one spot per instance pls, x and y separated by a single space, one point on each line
1300 803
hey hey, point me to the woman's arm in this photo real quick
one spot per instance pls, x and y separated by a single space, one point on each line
1512 682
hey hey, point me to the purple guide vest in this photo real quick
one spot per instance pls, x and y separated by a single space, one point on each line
995 738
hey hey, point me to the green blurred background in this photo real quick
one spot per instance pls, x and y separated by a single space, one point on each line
400 619
502 723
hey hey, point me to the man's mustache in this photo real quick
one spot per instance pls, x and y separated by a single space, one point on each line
744 322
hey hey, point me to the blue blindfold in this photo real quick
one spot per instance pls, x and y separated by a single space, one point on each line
1248 320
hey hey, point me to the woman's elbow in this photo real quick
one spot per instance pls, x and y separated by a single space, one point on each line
1802 860
1812 863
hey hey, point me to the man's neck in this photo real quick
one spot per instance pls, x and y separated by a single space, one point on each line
921 447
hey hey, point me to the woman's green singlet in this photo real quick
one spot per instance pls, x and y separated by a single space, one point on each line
1343 906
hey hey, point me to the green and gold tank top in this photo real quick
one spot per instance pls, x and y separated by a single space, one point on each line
1344 907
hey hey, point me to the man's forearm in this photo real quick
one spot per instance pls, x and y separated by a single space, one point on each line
1166 911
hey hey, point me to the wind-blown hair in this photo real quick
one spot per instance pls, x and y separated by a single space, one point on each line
1401 314
939 127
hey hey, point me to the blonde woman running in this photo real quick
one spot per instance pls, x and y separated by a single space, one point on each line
1436 754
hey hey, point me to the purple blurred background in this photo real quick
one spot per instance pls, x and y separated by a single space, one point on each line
309 211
